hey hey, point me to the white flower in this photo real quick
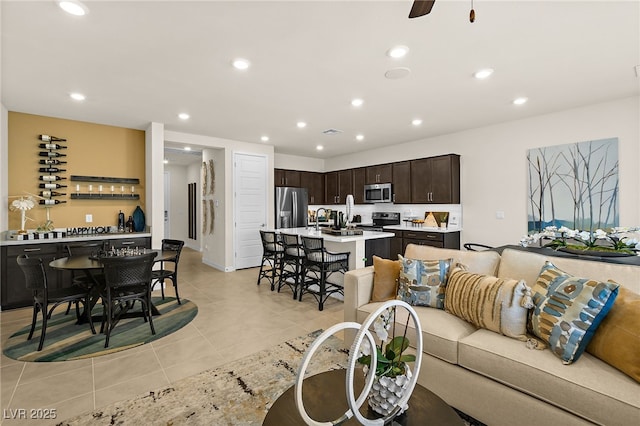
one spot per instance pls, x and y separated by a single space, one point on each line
584 236
23 204
382 324
600 234
564 230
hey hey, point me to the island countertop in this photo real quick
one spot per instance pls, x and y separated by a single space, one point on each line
311 232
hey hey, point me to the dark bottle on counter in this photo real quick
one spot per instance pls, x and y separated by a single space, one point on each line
49 138
51 170
51 193
51 185
51 146
51 202
51 154
120 221
130 224
52 161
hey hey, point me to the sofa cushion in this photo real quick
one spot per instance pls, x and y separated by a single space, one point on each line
481 262
440 331
385 279
590 387
422 282
568 310
497 304
617 339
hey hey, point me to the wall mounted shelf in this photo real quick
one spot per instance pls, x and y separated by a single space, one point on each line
102 179
106 196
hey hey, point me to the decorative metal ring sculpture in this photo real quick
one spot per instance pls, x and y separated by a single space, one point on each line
363 331
355 406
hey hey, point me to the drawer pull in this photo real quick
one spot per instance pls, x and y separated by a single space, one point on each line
31 249
127 243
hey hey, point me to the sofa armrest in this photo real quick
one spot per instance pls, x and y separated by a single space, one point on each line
358 285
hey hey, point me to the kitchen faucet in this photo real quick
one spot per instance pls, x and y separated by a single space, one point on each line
318 217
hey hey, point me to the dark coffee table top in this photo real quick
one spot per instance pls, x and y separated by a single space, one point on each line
325 400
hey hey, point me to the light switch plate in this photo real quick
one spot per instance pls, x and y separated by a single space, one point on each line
499 214
88 218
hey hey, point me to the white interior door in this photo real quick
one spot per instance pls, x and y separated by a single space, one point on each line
250 207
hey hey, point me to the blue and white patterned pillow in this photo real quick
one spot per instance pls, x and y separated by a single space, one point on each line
422 282
568 310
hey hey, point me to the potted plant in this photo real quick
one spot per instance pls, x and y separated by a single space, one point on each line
615 242
392 372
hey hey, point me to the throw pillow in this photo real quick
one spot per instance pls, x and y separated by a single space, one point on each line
497 304
385 279
617 340
422 282
568 310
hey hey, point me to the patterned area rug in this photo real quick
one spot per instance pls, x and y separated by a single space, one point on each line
238 393
66 340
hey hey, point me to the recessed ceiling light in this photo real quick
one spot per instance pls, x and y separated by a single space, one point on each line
319 147
416 122
301 124
241 64
482 74
521 100
357 102
360 137
183 116
77 96
397 52
73 7
187 148
264 138
166 161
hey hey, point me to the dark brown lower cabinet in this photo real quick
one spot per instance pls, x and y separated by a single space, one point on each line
436 239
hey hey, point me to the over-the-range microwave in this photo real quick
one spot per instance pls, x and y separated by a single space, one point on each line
378 193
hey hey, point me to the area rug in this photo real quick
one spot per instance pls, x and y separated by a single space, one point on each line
238 393
66 340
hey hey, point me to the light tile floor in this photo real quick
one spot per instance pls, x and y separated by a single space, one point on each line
235 318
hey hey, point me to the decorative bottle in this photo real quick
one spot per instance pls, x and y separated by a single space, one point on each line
51 154
49 138
51 185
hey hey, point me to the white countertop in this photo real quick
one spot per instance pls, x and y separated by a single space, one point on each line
421 229
75 238
311 232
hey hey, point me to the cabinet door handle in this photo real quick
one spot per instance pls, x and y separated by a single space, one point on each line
27 250
394 197
312 200
127 243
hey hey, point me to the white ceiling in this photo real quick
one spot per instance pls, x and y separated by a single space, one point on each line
144 61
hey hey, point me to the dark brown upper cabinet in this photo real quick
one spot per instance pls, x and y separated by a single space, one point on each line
283 177
337 186
359 180
401 173
314 182
381 173
436 180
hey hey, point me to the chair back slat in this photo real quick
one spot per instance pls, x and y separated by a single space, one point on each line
128 271
34 273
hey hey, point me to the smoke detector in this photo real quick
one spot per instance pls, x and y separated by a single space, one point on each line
331 131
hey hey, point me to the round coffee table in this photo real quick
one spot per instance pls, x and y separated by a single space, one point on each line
325 400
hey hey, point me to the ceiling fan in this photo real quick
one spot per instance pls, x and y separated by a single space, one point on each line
423 7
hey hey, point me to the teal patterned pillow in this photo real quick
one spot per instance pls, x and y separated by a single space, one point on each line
568 310
422 282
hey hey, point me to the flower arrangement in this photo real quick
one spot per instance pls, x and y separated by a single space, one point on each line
616 240
22 204
392 361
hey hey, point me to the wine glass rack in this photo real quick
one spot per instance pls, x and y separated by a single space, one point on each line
105 188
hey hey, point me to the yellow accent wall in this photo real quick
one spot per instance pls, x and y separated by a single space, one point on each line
93 150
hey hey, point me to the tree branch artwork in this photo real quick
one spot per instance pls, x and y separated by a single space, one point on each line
574 185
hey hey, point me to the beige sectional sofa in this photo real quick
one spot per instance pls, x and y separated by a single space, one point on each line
497 379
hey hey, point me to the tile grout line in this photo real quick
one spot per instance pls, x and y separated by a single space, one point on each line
160 363
93 381
15 388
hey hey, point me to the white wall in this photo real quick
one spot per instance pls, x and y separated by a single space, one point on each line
4 170
214 243
295 162
493 163
178 203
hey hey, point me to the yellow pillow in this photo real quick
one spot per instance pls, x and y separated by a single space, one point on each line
617 339
385 279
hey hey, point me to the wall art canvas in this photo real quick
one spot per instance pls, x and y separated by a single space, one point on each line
574 185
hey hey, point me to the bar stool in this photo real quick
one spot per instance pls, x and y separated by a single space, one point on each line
272 253
292 259
318 266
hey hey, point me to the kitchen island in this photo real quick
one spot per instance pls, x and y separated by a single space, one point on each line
354 244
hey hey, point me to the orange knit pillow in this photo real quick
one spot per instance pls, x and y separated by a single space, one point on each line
385 279
617 339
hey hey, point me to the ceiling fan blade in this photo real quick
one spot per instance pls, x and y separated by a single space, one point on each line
421 8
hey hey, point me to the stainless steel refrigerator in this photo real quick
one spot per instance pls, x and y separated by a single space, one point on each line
291 207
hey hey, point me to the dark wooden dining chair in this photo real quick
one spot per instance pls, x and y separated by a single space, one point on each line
127 279
36 280
291 270
318 266
168 267
81 278
272 253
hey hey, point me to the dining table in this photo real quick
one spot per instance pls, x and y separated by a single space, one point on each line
92 266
